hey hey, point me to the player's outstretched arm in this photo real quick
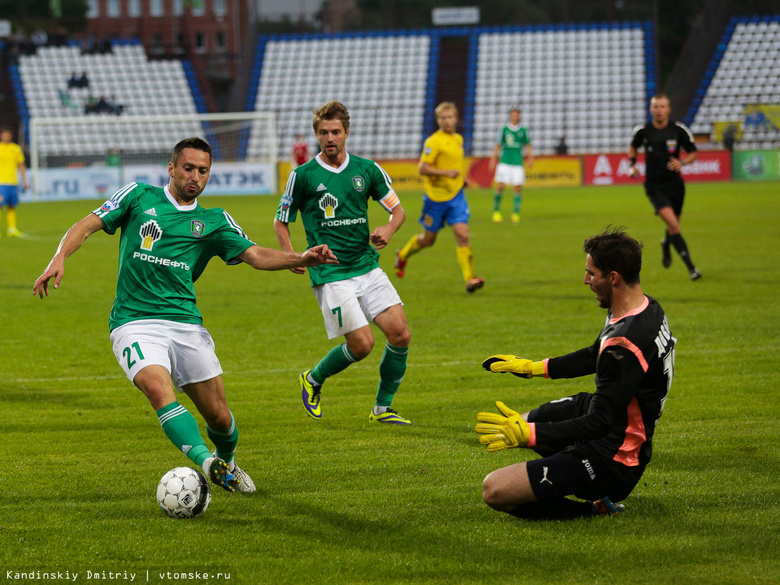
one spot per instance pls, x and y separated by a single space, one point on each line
282 231
512 364
71 241
270 259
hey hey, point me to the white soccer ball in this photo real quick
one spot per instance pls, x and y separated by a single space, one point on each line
183 493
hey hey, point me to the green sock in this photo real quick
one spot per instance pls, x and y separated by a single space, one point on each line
518 201
337 359
496 201
182 429
225 441
391 373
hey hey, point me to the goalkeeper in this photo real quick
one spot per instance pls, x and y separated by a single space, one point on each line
595 446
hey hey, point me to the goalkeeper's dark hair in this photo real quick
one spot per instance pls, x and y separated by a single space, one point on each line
195 143
333 110
615 250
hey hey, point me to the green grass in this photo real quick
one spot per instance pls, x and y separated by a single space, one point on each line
342 501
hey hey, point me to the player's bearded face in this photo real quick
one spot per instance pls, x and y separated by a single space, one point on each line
331 137
598 283
191 173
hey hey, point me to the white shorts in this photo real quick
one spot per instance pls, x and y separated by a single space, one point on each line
184 349
348 305
510 174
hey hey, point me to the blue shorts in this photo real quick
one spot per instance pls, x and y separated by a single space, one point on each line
436 213
9 195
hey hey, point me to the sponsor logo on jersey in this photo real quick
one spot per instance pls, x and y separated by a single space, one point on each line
321 188
150 233
151 211
346 221
198 228
328 204
358 183
671 145
152 259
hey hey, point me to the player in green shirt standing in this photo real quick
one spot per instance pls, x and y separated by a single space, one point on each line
510 170
157 332
331 192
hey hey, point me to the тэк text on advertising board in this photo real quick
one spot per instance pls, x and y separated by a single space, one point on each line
612 169
97 182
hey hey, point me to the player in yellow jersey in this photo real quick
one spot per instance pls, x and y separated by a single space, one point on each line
11 162
442 167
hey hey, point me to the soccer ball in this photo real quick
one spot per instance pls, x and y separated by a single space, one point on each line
183 493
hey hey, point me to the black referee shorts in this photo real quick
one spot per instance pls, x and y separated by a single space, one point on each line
666 195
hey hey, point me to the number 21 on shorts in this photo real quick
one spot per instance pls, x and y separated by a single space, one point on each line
128 353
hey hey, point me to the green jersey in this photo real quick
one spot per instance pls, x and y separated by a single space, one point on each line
512 140
333 204
163 249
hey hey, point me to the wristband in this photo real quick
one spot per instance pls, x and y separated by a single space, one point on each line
632 161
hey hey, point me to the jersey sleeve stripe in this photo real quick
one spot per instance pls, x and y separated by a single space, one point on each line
116 198
388 180
119 195
623 342
234 224
284 211
390 201
685 129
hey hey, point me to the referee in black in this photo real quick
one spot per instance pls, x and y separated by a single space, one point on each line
663 140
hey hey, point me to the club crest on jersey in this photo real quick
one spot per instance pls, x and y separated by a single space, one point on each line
358 183
198 228
328 204
150 233
671 145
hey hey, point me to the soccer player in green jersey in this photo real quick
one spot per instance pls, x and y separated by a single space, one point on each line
331 192
166 240
510 170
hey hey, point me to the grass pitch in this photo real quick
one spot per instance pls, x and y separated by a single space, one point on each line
342 501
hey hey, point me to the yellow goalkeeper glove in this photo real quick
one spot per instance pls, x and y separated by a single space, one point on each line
502 431
514 365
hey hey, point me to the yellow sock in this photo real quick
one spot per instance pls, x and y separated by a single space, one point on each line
466 262
410 248
10 219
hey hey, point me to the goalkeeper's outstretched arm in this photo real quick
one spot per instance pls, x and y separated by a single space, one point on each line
512 364
573 365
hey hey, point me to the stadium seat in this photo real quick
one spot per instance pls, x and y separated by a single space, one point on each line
367 73
561 74
125 73
746 73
